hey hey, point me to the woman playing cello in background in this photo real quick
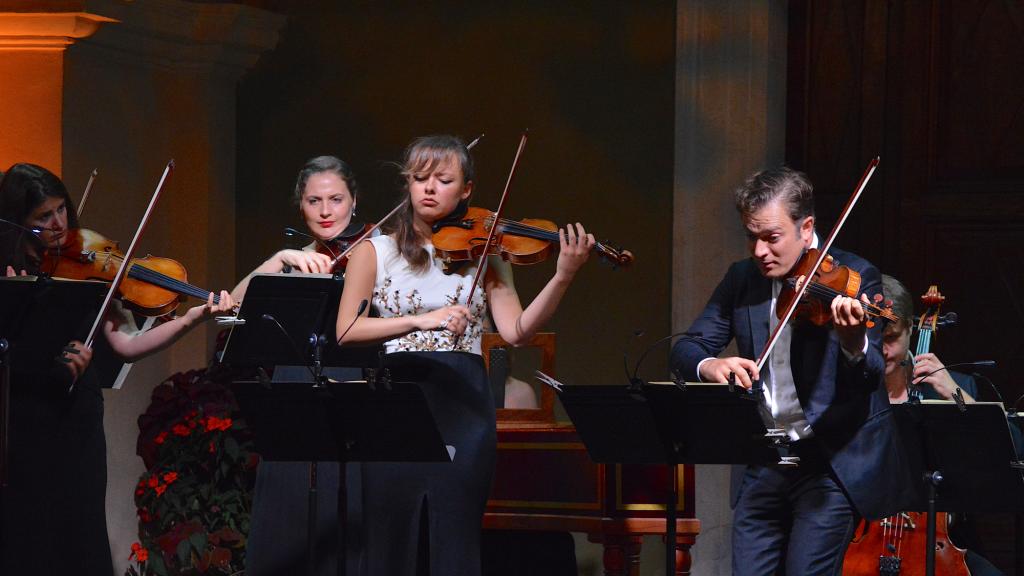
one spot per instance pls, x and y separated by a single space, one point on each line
53 510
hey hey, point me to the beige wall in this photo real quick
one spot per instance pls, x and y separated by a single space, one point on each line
32 48
730 121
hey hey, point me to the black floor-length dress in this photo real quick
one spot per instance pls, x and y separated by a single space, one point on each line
53 508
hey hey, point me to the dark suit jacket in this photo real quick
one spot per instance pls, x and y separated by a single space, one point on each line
846 405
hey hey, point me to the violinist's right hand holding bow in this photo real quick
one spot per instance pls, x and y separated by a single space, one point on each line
304 261
454 319
720 369
75 358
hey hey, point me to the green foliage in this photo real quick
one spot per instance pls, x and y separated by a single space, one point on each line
195 497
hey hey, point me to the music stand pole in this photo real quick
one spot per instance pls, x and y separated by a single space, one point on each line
5 408
670 520
932 480
319 382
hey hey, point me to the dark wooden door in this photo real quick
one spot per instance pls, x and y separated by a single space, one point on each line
937 89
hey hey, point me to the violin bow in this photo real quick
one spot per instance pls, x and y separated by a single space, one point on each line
367 234
85 195
381 222
122 269
823 253
497 219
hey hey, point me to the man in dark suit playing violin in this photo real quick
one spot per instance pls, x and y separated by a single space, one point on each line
823 385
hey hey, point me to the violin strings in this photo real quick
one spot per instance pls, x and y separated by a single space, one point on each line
156 278
520 229
825 292
159 279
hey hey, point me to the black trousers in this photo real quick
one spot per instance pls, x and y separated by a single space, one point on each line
794 521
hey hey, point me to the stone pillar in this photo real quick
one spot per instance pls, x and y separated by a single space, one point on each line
32 47
730 121
160 85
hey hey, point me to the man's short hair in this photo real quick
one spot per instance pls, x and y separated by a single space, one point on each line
902 301
785 184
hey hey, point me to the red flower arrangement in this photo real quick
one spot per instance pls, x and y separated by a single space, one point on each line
195 497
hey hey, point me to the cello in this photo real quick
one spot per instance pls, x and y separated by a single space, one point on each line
892 546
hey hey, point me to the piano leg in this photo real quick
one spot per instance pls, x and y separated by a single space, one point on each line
683 543
621 553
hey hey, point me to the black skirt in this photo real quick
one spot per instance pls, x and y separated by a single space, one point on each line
426 518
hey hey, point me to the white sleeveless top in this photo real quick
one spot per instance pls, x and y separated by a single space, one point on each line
399 291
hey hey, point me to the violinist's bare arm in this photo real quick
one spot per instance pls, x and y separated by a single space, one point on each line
517 325
305 261
360 275
719 370
135 347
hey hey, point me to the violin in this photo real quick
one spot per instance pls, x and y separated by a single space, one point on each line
462 236
153 285
338 247
831 280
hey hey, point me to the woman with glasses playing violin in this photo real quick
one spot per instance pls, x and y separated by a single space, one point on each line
53 509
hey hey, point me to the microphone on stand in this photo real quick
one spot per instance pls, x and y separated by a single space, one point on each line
635 381
957 365
362 308
315 339
35 231
292 233
957 394
625 356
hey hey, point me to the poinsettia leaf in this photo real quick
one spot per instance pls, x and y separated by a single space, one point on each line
184 552
198 541
156 563
231 447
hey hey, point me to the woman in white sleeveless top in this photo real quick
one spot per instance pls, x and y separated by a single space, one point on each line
428 516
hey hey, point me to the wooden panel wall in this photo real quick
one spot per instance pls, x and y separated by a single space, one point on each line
935 89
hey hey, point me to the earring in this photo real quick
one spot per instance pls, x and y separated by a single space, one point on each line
352 215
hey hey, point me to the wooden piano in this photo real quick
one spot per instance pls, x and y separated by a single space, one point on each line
545 481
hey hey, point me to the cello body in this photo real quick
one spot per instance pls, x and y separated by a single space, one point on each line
896 546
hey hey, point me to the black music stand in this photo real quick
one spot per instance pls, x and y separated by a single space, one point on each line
965 457
670 423
288 320
38 317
